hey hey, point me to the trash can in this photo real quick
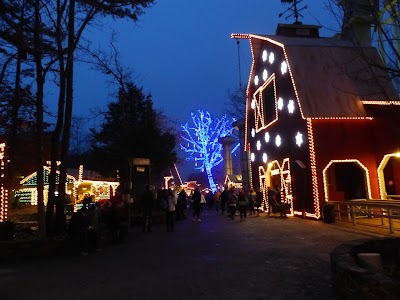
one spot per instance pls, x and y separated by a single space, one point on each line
329 213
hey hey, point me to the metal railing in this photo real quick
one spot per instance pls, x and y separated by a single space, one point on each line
371 208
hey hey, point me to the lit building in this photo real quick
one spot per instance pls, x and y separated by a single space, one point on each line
79 184
321 120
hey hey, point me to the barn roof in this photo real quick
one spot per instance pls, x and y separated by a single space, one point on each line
332 76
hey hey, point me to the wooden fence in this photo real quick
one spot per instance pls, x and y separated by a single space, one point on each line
368 208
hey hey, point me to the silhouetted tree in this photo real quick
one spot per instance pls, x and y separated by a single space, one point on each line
133 128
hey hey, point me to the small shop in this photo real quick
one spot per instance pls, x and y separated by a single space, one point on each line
77 188
233 180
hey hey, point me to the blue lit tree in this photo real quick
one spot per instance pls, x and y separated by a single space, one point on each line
202 141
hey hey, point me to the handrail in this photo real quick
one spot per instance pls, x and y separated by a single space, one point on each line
389 209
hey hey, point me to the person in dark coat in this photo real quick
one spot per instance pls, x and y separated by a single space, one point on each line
259 199
147 206
181 205
242 203
224 199
196 198
272 204
77 230
232 202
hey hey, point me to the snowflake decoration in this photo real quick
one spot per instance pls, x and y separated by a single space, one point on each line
278 140
264 55
256 80
258 145
299 139
252 156
283 67
266 137
271 58
253 132
291 106
280 103
265 75
253 104
265 157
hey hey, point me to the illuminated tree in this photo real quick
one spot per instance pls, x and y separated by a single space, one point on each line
202 141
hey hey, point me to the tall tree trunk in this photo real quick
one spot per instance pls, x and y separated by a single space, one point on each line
15 106
56 137
60 208
39 118
213 187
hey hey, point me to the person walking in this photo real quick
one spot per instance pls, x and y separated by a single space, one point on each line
196 199
202 203
224 199
232 200
170 212
242 203
217 200
147 206
78 230
210 199
181 205
259 199
252 197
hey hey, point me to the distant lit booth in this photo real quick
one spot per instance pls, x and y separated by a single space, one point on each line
27 193
233 180
190 186
97 190
91 184
87 184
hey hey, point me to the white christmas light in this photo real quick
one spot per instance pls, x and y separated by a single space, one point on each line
271 58
253 104
264 55
278 140
253 132
280 103
258 145
252 156
291 106
265 75
265 157
256 80
299 139
266 137
283 67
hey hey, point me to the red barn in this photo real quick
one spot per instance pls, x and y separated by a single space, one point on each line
322 120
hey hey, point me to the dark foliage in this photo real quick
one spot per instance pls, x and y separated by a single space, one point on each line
132 128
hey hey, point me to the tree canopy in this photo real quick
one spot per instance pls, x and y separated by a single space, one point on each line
133 128
201 141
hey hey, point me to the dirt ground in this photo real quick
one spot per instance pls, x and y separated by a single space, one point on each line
23 213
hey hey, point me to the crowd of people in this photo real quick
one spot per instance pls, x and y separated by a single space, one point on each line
229 201
86 224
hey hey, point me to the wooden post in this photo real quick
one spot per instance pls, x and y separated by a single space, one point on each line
390 220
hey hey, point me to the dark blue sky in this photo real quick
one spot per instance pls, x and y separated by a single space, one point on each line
181 51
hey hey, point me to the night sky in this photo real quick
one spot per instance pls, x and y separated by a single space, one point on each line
182 53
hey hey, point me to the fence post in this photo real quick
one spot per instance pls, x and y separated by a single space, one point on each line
353 215
390 220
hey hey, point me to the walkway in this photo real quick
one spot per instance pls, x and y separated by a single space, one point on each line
261 258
